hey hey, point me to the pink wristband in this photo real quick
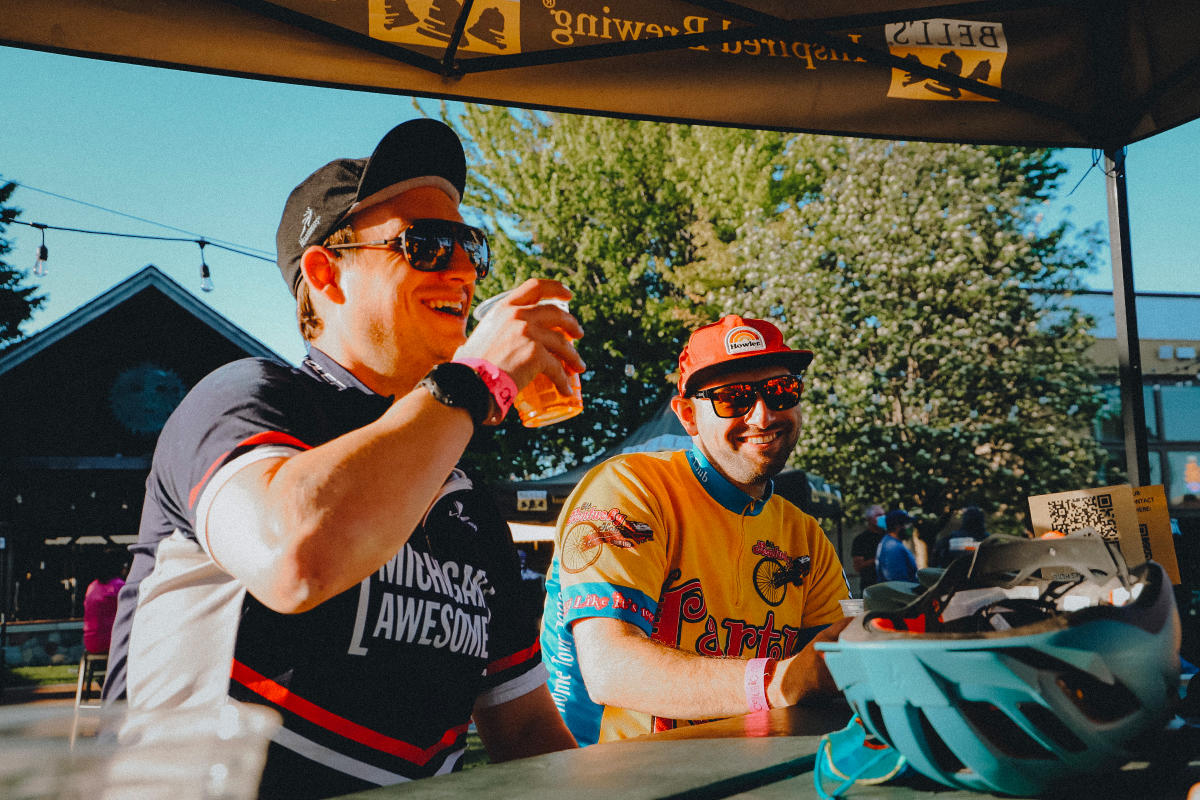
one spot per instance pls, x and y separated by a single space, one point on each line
498 382
756 682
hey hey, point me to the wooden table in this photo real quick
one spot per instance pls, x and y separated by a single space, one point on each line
768 755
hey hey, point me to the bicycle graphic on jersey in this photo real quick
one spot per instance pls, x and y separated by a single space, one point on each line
776 571
583 541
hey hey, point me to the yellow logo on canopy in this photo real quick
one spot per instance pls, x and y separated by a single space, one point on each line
494 26
963 48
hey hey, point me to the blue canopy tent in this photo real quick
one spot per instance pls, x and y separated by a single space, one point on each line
541 499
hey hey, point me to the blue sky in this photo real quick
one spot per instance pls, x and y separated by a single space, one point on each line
216 157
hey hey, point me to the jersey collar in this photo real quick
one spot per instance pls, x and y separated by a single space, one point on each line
323 367
720 489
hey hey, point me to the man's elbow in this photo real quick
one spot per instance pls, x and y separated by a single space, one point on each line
607 651
289 596
601 678
293 585
601 689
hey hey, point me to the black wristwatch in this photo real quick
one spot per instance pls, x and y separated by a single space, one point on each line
458 386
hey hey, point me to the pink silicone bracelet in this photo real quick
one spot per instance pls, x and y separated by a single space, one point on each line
756 683
498 382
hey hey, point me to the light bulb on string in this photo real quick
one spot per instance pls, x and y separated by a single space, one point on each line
206 282
43 254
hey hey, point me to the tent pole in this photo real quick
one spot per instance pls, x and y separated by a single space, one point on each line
1129 354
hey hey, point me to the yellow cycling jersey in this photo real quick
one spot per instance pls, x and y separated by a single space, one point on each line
663 541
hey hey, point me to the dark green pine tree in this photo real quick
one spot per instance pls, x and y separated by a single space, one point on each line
17 301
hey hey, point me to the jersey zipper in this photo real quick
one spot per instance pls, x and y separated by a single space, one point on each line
743 549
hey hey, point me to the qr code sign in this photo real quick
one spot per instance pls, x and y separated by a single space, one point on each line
1073 513
1144 533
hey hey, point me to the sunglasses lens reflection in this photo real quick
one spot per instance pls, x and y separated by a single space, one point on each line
429 245
782 393
732 401
736 399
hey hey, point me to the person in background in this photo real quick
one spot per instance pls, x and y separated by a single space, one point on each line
920 550
100 602
862 549
682 588
971 531
894 561
308 541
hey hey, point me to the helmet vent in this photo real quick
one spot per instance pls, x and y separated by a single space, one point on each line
1052 727
875 718
945 759
1099 701
994 726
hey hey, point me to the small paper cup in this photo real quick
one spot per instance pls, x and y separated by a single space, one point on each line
852 606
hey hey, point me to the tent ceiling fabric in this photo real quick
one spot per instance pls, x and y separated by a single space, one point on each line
1099 74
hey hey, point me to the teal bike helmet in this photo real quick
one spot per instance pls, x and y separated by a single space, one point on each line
1027 665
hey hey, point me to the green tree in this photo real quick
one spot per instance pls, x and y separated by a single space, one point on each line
17 302
614 209
949 368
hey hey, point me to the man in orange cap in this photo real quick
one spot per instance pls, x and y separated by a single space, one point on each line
682 588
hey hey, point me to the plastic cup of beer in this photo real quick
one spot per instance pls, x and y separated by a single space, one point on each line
852 606
540 402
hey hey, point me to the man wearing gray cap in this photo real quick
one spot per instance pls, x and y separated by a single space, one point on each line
307 541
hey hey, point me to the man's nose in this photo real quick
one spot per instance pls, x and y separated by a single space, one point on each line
758 415
460 267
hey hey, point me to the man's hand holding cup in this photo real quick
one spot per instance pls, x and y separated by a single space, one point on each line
529 333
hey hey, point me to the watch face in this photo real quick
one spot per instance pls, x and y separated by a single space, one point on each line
143 396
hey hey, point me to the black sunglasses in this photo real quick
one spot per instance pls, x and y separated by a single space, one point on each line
736 399
429 243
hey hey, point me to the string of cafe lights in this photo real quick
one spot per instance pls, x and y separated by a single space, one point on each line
43 252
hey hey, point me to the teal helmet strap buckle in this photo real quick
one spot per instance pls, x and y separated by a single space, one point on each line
853 756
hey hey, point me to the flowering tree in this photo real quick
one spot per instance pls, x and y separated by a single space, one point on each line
949 369
611 208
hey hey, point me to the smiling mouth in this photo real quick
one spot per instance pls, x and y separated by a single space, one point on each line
761 438
451 308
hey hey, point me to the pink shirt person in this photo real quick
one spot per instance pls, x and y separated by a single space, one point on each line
99 610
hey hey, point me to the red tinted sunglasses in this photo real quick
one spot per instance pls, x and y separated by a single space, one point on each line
736 399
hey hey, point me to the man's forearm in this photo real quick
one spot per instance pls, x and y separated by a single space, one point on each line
526 726
624 668
315 524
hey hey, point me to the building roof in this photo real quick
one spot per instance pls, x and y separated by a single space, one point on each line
149 277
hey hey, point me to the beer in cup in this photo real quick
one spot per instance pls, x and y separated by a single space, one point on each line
540 402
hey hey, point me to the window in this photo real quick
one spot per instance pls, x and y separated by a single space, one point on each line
1185 477
1110 428
1181 413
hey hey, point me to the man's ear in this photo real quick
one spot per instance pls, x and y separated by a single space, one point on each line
322 270
686 411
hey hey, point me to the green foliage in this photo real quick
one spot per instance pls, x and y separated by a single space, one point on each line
17 302
949 370
476 755
614 209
